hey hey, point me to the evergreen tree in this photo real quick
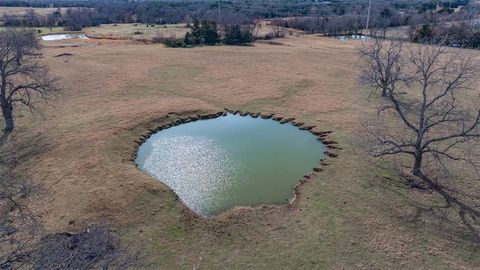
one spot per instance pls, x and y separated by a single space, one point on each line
196 31
424 34
235 36
210 32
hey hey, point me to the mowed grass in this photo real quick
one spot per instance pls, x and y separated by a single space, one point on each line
356 214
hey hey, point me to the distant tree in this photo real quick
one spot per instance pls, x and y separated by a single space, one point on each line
195 36
278 31
54 18
31 18
204 32
188 40
209 29
24 81
76 19
424 34
11 20
234 35
426 116
382 20
474 41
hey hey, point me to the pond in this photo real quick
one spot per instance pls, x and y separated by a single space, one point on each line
217 164
63 36
353 37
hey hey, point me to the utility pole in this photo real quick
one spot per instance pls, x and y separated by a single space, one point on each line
219 13
473 14
475 11
368 15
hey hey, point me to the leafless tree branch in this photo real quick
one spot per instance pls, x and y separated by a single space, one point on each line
426 119
24 81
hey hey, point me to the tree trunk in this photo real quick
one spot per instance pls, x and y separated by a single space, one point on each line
7 112
384 91
417 167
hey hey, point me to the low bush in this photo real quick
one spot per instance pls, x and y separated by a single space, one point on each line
174 43
201 33
235 35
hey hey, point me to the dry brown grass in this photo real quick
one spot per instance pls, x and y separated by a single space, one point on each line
348 216
137 31
21 10
142 32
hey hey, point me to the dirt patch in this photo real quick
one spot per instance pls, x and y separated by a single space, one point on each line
63 54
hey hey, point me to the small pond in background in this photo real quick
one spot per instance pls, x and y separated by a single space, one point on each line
353 37
63 36
216 164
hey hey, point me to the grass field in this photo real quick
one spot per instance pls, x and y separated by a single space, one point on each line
21 10
353 215
136 31
41 30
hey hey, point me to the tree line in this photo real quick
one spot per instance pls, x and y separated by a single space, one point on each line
331 17
352 19
207 33
456 34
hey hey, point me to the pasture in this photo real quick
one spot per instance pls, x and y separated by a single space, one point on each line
355 214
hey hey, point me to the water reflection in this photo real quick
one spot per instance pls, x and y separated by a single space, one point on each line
63 36
217 164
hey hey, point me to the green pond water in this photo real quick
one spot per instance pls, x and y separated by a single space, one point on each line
217 164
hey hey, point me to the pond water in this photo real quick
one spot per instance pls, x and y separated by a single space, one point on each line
353 37
63 36
214 165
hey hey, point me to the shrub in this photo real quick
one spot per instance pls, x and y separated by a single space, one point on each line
189 39
474 41
202 33
210 33
173 43
234 35
424 34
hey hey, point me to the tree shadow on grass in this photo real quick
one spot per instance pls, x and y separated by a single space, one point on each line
451 213
464 206
24 149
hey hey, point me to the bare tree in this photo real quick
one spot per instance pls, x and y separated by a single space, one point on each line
31 18
24 244
382 64
431 117
18 226
278 31
23 79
